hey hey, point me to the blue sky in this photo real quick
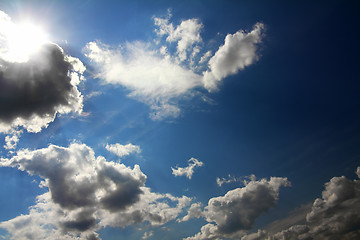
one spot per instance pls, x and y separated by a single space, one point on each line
179 120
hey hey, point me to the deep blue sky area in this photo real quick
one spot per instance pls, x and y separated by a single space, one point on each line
293 112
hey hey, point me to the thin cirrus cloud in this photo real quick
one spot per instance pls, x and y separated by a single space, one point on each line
123 150
189 170
159 78
85 194
35 89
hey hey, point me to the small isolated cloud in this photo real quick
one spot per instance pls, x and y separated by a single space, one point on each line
232 215
336 215
155 76
189 170
147 235
85 194
123 150
36 88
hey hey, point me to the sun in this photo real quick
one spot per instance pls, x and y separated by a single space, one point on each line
22 40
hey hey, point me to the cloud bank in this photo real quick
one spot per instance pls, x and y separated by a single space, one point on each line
336 215
85 194
159 78
32 92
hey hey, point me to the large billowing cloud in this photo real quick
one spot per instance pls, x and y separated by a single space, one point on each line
35 89
85 194
336 215
233 214
156 76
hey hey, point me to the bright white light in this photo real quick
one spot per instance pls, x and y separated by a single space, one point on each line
22 40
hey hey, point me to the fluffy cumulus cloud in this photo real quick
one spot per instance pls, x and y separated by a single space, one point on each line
189 170
238 52
86 193
233 214
160 78
336 215
37 86
123 150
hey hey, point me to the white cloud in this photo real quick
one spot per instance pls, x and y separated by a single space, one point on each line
123 150
189 170
150 77
238 52
37 86
233 214
159 78
85 194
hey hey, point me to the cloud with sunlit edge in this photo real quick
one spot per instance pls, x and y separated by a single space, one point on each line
38 80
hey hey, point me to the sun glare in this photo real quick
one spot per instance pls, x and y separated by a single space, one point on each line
23 40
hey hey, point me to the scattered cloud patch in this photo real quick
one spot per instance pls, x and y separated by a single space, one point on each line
159 78
147 235
232 215
85 194
123 150
34 90
231 179
189 170
186 34
227 180
12 139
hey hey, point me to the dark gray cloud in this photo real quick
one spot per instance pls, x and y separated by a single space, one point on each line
39 87
31 88
85 194
235 212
